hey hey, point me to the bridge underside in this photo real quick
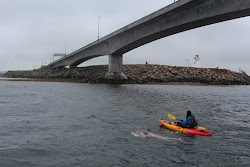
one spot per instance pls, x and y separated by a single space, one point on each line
178 17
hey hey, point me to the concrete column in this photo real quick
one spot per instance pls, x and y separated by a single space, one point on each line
115 68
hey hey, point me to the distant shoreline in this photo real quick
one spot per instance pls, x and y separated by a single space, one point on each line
76 81
137 74
2 78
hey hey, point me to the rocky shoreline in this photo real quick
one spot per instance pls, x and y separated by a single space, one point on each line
138 74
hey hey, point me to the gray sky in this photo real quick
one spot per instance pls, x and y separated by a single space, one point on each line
31 31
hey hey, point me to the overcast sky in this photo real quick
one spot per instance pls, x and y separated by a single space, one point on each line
32 30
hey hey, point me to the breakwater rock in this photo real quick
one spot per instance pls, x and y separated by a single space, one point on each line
139 74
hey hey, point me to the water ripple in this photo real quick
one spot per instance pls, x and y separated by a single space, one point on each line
72 124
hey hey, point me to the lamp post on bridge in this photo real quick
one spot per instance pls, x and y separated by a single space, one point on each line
98 35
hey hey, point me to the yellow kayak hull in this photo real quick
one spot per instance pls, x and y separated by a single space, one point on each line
172 126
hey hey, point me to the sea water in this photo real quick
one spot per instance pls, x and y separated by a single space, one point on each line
58 124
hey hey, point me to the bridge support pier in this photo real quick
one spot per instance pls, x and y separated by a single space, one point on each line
115 68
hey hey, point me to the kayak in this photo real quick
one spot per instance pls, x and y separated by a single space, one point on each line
190 131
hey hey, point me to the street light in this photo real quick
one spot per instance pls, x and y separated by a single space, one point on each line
98 35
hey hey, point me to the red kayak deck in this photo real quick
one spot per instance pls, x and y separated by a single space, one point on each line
172 126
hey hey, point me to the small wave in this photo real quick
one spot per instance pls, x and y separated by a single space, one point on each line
138 134
142 133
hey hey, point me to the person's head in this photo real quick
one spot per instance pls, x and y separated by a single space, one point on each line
188 114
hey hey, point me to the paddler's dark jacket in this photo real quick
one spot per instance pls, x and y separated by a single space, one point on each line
190 122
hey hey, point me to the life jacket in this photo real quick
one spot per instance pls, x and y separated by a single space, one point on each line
193 123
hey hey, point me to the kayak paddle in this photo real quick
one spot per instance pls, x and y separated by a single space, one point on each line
202 128
173 117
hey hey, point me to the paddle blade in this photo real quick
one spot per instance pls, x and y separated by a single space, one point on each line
202 128
171 116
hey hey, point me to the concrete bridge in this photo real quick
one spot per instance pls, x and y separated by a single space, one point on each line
180 16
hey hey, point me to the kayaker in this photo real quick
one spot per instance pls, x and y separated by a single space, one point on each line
190 121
